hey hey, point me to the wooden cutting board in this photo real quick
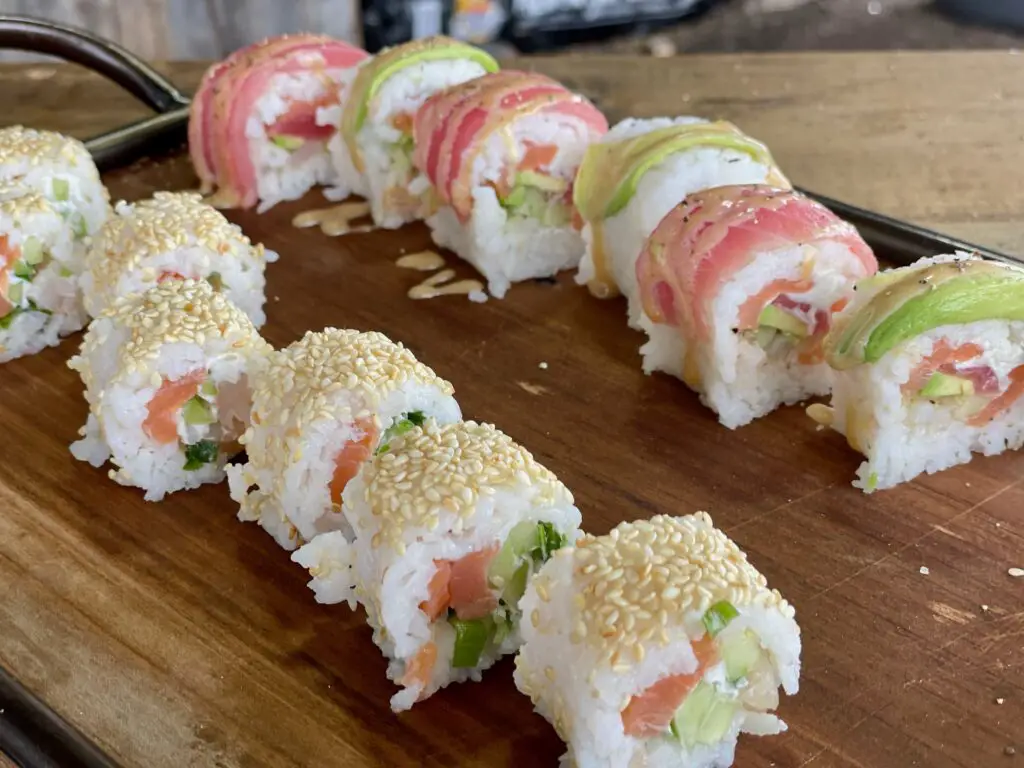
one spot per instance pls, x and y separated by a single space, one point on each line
173 635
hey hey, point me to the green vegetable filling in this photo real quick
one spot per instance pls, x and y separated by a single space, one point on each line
78 226
471 638
197 412
6 320
288 143
538 196
718 617
216 282
199 454
61 190
399 427
704 716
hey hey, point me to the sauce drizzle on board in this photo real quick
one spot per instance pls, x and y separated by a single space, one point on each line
335 219
422 261
438 285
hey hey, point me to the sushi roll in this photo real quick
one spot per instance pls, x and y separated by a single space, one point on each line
170 236
166 379
253 131
738 286
640 171
928 367
321 408
39 297
501 152
377 119
656 645
60 169
449 522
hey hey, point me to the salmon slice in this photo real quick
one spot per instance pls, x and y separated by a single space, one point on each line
160 423
440 594
942 354
403 122
165 276
751 309
537 156
650 713
1002 402
420 668
471 593
351 458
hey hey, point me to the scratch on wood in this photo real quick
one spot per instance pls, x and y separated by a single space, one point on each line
946 613
533 389
913 543
730 530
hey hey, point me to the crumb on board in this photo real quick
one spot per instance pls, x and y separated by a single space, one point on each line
1016 572
1000 700
277 298
984 607
542 365
478 297
533 389
1010 751
924 570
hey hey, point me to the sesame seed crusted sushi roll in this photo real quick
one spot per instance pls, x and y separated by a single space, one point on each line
321 408
39 298
657 645
377 119
166 378
173 235
928 367
60 169
501 152
738 286
637 173
449 524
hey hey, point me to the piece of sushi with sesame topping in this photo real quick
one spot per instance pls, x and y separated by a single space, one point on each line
170 236
39 298
449 524
166 378
656 644
60 169
321 408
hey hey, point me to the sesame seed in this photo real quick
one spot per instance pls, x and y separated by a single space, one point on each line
633 582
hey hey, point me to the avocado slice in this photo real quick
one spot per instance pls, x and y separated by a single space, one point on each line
923 298
627 161
541 181
774 317
288 143
946 385
388 62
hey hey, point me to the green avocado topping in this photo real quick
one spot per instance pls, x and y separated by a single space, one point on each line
388 62
923 298
625 163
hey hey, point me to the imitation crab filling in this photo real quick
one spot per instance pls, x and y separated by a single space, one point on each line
734 673
478 595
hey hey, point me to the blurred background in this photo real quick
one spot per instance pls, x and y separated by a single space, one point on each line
206 29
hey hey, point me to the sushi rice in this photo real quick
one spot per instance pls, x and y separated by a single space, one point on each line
39 265
166 379
320 408
449 522
657 644
169 236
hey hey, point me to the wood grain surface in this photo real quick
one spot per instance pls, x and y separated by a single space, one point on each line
174 635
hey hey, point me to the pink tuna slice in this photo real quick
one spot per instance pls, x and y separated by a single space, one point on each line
704 241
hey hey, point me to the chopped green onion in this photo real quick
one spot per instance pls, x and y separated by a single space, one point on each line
16 292
471 637
548 540
65 272
215 281
203 452
197 411
718 616
504 622
78 226
23 270
515 587
61 189
400 427
872 483
32 251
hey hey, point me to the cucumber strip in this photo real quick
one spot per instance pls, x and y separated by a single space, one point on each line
471 637
32 251
23 270
197 411
61 189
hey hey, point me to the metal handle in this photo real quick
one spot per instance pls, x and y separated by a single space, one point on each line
109 59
